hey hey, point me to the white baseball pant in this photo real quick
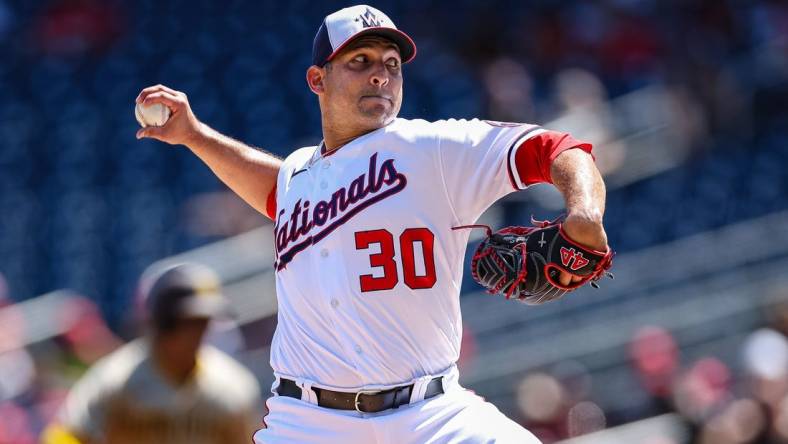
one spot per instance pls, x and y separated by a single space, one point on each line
457 416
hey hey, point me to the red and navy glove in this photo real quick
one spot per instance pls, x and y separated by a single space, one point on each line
525 263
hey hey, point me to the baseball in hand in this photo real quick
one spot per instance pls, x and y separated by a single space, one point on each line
154 114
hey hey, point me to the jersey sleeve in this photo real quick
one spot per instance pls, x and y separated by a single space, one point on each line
482 161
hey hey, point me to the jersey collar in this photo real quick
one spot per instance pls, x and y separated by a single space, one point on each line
322 152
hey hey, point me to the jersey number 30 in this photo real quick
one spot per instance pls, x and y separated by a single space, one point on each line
385 258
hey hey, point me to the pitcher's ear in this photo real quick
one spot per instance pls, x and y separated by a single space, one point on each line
315 77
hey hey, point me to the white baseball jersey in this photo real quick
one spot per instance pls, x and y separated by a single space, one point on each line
368 266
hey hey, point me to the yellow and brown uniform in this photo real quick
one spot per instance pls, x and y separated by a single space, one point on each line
125 399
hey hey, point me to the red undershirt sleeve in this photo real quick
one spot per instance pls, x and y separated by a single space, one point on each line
270 205
535 156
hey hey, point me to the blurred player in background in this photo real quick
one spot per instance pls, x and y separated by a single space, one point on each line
166 387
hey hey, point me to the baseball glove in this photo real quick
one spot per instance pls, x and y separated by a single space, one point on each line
525 263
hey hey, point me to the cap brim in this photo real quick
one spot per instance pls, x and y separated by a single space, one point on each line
205 306
407 48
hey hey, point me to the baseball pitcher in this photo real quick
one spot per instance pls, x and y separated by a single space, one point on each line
368 258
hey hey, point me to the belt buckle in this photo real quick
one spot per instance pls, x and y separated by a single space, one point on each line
356 402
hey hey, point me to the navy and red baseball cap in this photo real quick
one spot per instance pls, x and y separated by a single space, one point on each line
344 26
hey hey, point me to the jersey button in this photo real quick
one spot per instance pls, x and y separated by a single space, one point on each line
324 252
323 185
358 349
326 164
334 303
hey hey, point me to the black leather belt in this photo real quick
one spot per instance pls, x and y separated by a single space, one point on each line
366 401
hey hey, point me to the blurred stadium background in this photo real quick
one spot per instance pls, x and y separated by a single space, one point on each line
685 101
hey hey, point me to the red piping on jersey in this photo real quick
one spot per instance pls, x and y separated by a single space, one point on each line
509 168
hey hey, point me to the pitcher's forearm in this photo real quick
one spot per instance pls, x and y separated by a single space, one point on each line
577 178
249 172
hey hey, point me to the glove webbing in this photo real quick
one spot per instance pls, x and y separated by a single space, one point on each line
521 276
